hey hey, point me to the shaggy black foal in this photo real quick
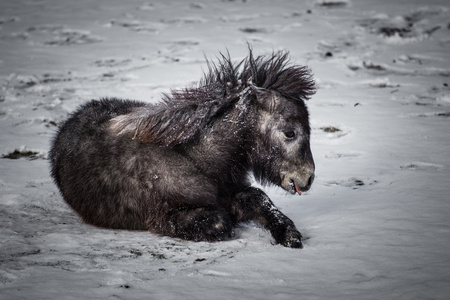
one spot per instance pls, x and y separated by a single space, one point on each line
180 168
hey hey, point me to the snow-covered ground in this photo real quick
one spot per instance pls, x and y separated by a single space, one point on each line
378 217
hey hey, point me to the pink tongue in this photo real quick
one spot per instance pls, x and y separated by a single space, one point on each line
296 188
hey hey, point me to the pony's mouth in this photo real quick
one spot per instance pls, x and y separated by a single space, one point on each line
293 188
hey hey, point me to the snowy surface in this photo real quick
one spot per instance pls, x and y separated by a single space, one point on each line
377 218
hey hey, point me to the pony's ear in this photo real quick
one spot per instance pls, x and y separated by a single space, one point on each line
264 98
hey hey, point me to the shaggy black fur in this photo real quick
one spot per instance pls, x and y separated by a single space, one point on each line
180 168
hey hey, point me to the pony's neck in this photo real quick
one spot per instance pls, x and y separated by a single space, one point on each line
222 149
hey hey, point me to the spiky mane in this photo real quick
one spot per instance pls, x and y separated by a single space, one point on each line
272 72
226 78
183 113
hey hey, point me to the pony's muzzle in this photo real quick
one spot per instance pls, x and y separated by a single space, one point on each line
295 183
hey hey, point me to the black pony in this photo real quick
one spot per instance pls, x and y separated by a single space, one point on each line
181 167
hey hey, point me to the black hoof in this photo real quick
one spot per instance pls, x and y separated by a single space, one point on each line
292 239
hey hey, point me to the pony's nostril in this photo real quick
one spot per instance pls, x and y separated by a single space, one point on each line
308 184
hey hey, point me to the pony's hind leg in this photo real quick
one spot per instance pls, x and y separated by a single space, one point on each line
199 224
254 205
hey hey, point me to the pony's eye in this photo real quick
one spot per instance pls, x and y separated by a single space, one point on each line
290 134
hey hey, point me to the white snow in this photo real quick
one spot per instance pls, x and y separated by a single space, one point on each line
377 218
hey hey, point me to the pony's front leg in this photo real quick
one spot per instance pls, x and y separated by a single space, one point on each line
197 224
254 205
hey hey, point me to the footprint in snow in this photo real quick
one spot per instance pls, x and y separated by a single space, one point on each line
112 62
19 81
332 3
138 26
354 183
334 155
411 27
421 166
390 69
439 114
59 35
331 132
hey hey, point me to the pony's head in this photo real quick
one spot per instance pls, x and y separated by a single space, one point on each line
281 151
